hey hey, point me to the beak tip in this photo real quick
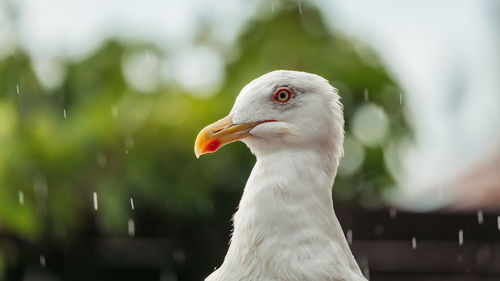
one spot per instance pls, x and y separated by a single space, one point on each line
222 132
197 153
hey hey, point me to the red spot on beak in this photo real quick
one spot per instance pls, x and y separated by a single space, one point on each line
212 146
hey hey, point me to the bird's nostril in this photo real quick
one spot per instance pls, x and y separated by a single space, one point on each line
216 131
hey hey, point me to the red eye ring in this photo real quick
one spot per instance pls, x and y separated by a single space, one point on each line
282 95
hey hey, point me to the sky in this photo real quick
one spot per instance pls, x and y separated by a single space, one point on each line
56 30
445 55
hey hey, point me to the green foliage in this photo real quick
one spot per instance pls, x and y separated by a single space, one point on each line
121 144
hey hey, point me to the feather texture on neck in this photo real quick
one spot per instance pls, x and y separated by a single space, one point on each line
285 227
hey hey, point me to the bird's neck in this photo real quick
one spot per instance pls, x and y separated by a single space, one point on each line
286 213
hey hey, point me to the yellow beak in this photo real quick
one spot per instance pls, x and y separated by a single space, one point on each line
220 133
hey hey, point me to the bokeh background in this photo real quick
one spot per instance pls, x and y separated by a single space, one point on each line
100 103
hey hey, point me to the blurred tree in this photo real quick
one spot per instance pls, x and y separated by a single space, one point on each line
95 133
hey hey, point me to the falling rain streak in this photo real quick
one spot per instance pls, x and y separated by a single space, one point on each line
96 206
300 7
460 237
349 236
400 98
64 112
42 261
480 218
413 243
132 203
366 94
21 197
17 89
131 228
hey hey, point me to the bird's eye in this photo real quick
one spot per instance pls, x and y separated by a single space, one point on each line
282 95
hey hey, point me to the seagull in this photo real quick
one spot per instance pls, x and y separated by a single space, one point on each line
285 228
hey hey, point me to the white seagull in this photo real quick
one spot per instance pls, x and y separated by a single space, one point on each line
285 228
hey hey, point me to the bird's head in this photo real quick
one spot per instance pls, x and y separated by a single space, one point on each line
280 110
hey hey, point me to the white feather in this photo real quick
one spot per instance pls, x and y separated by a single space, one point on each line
285 228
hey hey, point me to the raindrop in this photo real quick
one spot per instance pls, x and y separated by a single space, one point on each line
21 197
131 228
414 243
42 261
126 151
349 236
393 213
96 206
132 203
64 112
300 7
17 89
400 98
272 6
366 94
215 268
460 237
480 218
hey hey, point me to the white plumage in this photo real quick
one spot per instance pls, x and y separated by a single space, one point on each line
285 227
